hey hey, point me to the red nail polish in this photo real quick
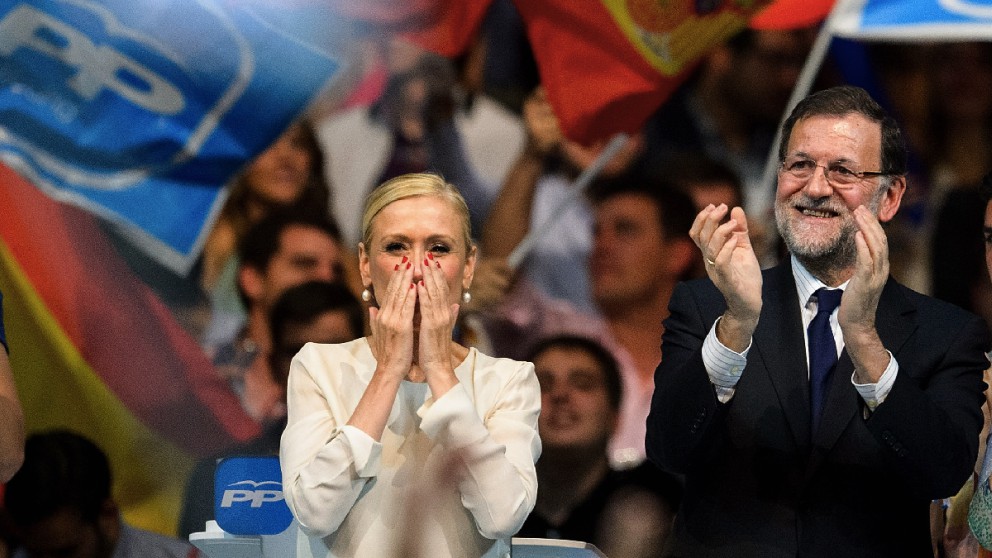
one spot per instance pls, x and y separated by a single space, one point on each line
403 260
438 265
426 262
408 265
397 268
430 255
411 285
421 282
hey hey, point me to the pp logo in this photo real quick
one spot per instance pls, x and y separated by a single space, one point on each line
248 498
98 67
258 494
156 80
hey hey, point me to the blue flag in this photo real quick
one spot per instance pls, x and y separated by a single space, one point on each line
914 20
141 110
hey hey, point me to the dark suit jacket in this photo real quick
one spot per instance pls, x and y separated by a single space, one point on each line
757 482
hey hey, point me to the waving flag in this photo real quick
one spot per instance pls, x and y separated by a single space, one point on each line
94 349
136 112
608 64
914 20
140 110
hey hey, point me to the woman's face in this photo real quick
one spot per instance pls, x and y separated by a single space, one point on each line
417 228
279 174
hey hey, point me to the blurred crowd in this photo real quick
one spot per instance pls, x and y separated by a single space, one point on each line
586 300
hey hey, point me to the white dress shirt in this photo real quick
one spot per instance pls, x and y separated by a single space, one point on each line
724 366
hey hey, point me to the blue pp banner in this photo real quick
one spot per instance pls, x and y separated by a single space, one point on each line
141 110
913 20
248 498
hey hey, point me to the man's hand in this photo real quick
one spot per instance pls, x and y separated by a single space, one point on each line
733 267
860 301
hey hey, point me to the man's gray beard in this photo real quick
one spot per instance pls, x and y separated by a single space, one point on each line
821 261
827 260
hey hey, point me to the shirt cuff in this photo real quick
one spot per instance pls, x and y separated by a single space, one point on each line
366 453
723 365
444 419
875 394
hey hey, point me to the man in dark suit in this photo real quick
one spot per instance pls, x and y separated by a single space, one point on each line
840 456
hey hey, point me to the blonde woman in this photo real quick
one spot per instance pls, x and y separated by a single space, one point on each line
374 422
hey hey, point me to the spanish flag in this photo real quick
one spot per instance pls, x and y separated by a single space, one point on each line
607 65
95 350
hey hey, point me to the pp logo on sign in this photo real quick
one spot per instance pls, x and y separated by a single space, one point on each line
248 498
98 67
160 79
260 493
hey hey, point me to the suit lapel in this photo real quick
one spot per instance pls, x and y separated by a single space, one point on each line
780 345
895 323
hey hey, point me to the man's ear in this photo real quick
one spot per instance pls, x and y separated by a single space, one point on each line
682 256
109 521
892 199
251 281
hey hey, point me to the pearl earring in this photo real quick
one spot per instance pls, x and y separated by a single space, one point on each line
367 295
466 297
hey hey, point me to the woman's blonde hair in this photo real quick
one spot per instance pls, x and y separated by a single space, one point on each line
409 186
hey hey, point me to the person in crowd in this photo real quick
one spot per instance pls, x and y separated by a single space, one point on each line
956 252
625 513
277 253
60 504
11 414
370 419
641 249
705 180
974 502
315 311
429 118
818 407
730 108
540 180
287 176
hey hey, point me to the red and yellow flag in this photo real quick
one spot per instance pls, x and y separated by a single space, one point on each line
93 349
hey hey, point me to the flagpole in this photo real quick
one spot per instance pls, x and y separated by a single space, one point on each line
578 189
804 83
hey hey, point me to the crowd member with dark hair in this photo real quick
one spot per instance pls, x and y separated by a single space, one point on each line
538 183
60 504
429 118
818 407
640 251
279 252
314 312
287 176
730 107
625 513
969 517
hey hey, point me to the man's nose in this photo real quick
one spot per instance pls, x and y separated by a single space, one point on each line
818 186
327 272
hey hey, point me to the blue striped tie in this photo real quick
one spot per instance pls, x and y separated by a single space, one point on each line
822 351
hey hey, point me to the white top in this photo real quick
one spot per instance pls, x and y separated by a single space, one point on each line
452 476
